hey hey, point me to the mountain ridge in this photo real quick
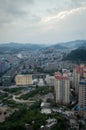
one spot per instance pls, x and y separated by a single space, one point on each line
32 47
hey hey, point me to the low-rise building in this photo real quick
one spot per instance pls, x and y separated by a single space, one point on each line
23 80
49 80
51 123
73 124
45 108
41 82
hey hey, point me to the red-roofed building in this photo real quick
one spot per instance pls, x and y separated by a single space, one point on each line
78 73
62 89
79 77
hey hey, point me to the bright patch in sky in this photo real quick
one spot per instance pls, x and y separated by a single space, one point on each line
63 14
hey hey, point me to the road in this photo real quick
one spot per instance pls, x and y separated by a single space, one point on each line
21 100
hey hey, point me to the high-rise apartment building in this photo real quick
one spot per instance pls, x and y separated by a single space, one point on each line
78 73
82 97
62 89
76 78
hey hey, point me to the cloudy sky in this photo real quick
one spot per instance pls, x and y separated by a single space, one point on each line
42 21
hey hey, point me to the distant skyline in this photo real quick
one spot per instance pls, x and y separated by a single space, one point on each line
42 21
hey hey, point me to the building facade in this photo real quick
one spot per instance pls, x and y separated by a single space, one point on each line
23 80
76 79
78 73
82 98
49 80
62 89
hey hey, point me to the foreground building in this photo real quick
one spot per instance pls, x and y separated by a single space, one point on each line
78 73
79 78
82 98
23 80
62 89
76 79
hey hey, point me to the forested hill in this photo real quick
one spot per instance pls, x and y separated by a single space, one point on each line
77 55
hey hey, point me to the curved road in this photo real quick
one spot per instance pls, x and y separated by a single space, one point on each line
21 100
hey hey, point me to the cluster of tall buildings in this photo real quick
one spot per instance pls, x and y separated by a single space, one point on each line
79 72
62 85
80 88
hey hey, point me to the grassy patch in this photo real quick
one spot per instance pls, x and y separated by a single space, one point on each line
13 90
4 95
39 91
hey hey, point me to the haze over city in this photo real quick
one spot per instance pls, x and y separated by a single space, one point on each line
42 22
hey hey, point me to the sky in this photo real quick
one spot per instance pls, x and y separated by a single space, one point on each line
42 21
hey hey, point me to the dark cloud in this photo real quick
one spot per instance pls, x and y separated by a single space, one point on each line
13 9
11 5
16 12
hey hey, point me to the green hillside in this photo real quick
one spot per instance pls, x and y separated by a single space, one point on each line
77 55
